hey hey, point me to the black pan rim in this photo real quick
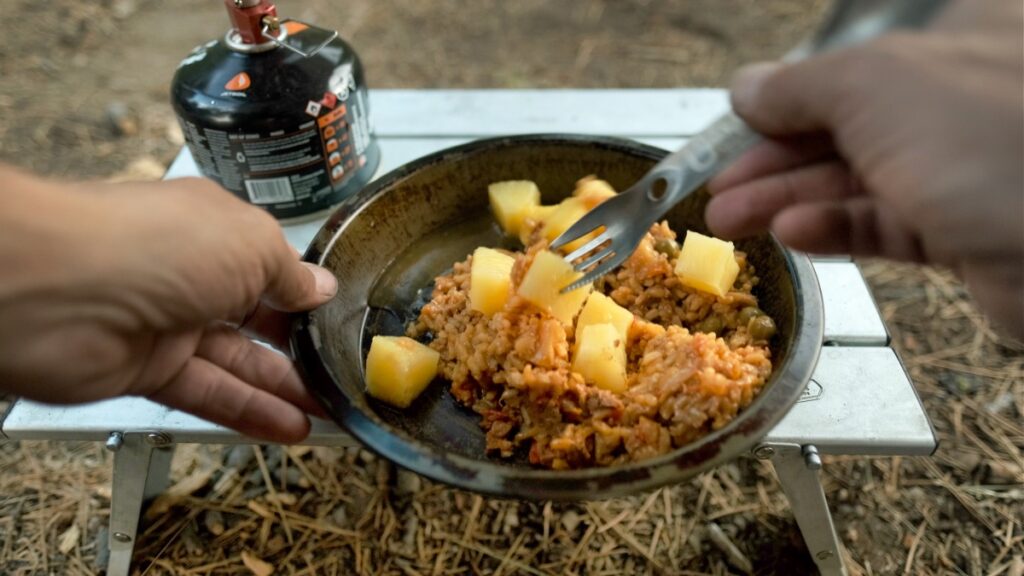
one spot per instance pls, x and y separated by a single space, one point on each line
497 479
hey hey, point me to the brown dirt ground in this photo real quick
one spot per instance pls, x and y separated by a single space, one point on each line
958 512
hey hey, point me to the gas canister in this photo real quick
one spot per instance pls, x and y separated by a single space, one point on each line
277 112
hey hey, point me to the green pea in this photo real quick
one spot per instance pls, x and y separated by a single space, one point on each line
761 327
667 246
748 314
710 325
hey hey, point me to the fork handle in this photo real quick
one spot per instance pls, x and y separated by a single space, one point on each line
699 159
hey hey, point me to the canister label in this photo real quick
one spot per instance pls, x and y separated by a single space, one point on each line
292 169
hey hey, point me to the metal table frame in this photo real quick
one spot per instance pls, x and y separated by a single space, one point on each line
860 401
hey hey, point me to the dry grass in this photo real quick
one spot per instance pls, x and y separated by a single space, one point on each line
341 511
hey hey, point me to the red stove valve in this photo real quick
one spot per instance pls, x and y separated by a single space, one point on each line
249 17
256 22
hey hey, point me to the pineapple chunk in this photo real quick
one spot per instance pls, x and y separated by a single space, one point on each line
601 358
536 214
511 201
565 215
601 309
593 191
548 274
540 212
490 278
707 264
399 368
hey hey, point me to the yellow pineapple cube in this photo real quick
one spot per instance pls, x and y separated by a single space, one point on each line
565 215
547 275
707 264
593 191
511 201
601 357
601 309
540 213
399 368
536 214
490 279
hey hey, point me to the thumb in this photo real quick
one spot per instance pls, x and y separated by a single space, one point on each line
295 285
780 99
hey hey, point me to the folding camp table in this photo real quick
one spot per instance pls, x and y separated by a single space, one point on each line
859 402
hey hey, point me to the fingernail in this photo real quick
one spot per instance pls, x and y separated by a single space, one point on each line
326 283
747 83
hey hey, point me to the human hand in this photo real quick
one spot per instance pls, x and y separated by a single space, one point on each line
133 289
908 147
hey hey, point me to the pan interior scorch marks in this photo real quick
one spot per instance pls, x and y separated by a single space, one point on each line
388 243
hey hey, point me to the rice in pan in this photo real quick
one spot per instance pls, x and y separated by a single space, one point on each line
694 360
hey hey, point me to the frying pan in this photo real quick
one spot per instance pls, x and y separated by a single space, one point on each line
386 245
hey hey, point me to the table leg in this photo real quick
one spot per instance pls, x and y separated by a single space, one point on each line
798 468
132 459
159 472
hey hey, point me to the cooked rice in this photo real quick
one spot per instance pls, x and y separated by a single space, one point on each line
513 368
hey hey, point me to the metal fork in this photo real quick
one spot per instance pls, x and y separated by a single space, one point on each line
623 220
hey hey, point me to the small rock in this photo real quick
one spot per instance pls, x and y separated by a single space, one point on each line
407 483
254 477
340 517
292 477
274 457
852 535
1002 402
214 522
239 456
741 523
366 457
511 520
570 521
121 119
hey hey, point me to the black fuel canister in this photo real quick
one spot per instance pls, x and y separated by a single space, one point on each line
277 112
